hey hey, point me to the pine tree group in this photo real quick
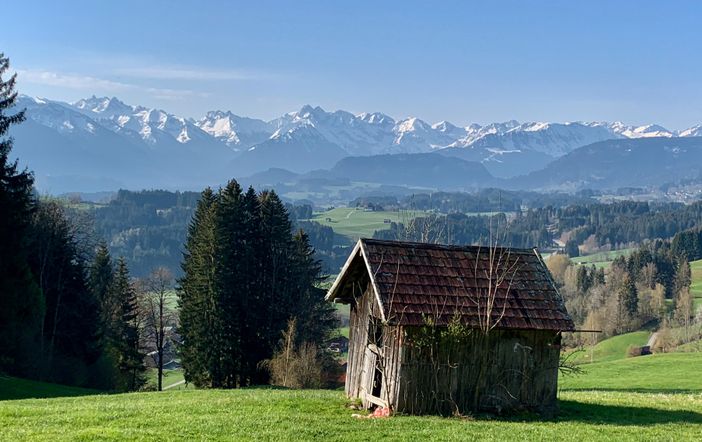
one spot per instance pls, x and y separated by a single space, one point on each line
245 276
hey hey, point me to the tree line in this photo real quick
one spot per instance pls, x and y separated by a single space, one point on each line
650 286
66 315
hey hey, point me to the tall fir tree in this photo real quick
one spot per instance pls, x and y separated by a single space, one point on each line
277 249
21 306
100 279
231 283
253 307
629 297
315 317
125 339
197 295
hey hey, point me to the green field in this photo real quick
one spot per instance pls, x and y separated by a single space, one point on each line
171 379
662 373
655 397
613 348
602 259
696 286
356 223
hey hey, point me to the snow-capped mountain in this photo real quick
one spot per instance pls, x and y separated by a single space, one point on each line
222 144
235 131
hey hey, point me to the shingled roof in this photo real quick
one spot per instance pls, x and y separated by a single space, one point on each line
413 282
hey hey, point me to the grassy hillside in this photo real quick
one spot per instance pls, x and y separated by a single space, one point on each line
172 379
696 286
356 223
322 415
602 259
13 388
666 373
645 398
613 348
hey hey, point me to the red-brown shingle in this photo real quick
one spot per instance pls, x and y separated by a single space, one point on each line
419 282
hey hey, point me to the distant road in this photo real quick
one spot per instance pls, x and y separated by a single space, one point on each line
174 385
652 340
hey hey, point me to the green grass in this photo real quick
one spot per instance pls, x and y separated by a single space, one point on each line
602 259
613 348
665 372
14 388
656 397
268 414
170 377
356 223
696 286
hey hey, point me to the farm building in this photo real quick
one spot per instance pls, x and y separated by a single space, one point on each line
446 329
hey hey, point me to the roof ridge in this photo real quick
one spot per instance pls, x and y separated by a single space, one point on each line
423 245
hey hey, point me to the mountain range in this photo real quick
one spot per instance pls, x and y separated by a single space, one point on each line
103 143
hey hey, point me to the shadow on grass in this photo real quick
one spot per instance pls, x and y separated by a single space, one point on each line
573 411
15 389
634 390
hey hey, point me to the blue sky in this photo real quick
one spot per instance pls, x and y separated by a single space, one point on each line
636 61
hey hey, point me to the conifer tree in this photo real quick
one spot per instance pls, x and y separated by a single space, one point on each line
316 318
197 295
231 282
101 276
70 327
277 250
21 307
253 307
245 277
125 340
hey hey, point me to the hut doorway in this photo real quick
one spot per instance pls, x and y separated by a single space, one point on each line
372 369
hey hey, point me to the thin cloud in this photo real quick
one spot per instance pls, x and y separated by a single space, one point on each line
99 85
184 73
48 78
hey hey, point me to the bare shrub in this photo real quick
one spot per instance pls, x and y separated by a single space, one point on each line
295 366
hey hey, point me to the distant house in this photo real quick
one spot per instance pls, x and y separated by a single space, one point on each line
387 221
430 333
339 344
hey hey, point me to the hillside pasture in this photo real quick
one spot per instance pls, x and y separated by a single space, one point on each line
356 223
696 285
602 259
645 398
611 349
273 414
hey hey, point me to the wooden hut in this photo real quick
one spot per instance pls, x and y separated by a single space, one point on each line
449 329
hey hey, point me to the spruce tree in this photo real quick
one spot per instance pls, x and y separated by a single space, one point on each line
125 340
101 276
629 297
231 284
21 306
276 276
253 307
197 296
315 317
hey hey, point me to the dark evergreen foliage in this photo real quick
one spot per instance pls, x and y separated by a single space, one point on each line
245 276
197 295
124 338
71 322
21 306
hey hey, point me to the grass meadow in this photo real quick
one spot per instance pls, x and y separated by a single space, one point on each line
656 397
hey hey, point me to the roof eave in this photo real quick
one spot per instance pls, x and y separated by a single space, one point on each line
331 293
